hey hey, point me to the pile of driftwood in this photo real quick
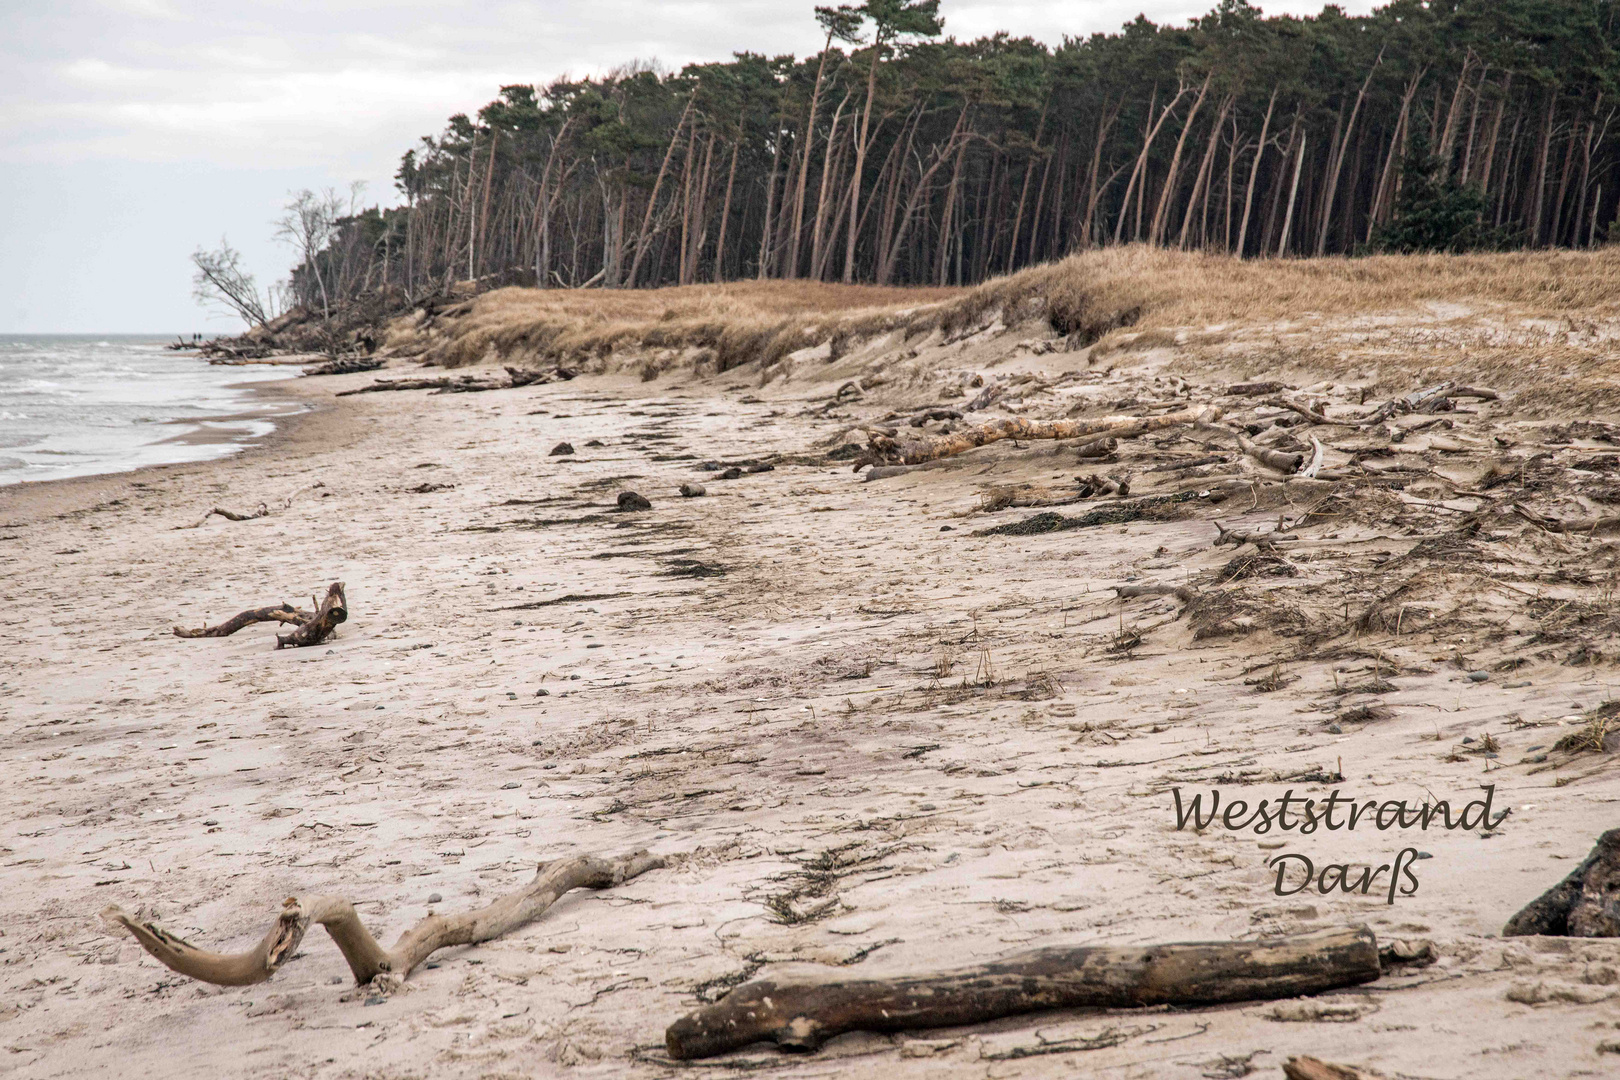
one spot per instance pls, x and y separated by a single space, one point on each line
469 384
309 627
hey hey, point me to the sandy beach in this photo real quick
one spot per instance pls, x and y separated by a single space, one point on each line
868 740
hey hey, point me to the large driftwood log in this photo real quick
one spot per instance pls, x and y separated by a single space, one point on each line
310 627
1585 904
803 1015
367 959
467 384
1309 1068
885 449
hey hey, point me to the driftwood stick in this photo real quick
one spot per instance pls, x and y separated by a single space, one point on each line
884 449
1184 593
1315 465
1285 402
1585 904
1309 1068
803 1015
311 628
282 613
367 959
1567 525
1280 460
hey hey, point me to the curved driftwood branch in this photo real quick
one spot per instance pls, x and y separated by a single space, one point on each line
803 1015
1315 465
310 628
282 613
887 449
367 959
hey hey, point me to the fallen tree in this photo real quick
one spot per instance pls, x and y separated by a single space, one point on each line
884 449
468 384
801 1016
1585 904
367 959
310 628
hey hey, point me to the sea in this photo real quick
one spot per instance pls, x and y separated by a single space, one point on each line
83 404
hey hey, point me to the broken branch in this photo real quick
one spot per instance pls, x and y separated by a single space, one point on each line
367 959
803 1015
312 628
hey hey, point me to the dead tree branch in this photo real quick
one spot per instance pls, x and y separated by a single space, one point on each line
367 959
311 628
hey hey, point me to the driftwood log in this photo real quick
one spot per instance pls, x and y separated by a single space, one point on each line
467 384
1304 1067
800 1016
1586 525
367 959
886 449
1585 904
309 628
1283 461
347 365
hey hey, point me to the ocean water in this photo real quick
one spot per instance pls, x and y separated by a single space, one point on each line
81 404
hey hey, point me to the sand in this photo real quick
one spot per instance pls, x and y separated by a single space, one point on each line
863 735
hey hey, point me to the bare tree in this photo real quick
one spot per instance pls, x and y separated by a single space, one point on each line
309 224
221 282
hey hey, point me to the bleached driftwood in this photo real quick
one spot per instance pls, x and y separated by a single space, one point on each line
803 1015
367 959
886 449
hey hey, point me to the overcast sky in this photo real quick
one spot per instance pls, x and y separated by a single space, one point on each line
131 131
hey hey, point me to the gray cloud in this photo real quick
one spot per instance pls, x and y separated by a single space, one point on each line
133 130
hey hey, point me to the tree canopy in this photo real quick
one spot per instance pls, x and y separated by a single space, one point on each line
899 155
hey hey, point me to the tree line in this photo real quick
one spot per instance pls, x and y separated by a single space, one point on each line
897 155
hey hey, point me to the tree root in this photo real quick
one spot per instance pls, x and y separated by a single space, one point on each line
367 959
311 628
886 449
801 1016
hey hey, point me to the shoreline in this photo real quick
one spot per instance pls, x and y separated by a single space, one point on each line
287 429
